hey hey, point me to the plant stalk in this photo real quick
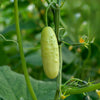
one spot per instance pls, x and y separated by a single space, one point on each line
56 21
59 78
60 68
84 89
21 51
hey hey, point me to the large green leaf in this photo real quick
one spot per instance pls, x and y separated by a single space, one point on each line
13 87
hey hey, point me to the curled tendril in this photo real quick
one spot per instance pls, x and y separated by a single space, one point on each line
74 82
8 39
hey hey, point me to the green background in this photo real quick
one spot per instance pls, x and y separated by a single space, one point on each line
78 18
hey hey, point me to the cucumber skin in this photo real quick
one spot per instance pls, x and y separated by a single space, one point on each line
50 52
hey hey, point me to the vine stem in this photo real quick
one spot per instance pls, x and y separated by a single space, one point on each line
56 19
84 89
60 68
21 51
75 44
59 78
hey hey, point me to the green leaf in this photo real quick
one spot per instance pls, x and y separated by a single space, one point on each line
23 25
34 59
13 86
68 56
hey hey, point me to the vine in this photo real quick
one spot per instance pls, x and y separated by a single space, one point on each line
21 51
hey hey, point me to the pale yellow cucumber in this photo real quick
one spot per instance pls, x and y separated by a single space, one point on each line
50 52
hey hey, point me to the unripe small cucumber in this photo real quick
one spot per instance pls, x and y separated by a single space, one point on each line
50 52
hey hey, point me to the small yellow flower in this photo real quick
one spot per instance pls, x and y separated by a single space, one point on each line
70 48
42 11
78 50
63 97
81 40
98 92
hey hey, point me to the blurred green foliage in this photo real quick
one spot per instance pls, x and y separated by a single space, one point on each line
78 18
